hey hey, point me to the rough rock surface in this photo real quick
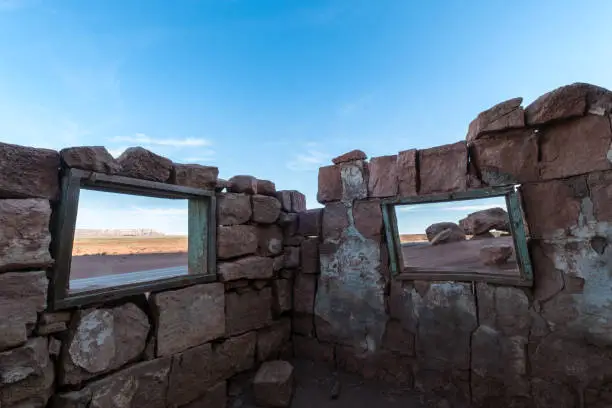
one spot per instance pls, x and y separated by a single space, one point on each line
141 385
22 295
28 172
407 173
496 254
141 163
233 209
188 317
103 340
304 292
435 229
354 181
269 240
443 168
505 115
242 184
270 340
569 101
195 175
448 235
273 384
298 201
309 252
446 311
198 369
383 180
214 397
330 184
26 375
266 209
266 187
248 311
509 157
250 267
367 216
292 257
575 147
481 222
93 158
283 295
335 220
236 241
353 155
309 222
24 235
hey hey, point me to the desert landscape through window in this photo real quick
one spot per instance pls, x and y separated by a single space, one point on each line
468 236
123 239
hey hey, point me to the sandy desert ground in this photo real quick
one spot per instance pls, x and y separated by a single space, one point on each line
461 256
92 257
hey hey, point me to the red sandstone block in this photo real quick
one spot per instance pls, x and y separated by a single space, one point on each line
383 180
443 169
552 207
330 184
368 218
310 256
507 158
407 174
600 185
576 147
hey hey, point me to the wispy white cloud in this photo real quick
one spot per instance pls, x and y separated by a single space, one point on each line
310 160
142 138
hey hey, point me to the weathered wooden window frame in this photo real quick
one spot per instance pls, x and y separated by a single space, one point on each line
201 236
517 229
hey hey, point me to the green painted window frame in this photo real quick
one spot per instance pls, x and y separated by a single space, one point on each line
201 246
518 230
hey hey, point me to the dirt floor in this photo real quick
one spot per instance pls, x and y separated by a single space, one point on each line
314 383
129 245
462 256
89 266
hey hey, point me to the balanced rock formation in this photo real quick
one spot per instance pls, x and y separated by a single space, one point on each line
481 222
435 229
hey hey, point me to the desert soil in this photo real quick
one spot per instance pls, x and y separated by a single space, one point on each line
462 256
89 266
93 257
129 245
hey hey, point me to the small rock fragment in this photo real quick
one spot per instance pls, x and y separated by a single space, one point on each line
495 254
273 384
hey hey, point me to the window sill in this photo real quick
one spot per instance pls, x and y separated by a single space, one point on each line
442 275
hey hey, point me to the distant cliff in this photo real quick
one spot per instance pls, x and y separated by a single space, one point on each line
90 233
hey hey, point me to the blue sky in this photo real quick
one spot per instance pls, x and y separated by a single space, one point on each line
277 88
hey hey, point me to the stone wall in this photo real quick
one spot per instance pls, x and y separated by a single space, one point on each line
502 346
175 348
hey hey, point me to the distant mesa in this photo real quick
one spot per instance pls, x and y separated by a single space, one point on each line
140 232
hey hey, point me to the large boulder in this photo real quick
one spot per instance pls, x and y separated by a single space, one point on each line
447 236
483 221
435 229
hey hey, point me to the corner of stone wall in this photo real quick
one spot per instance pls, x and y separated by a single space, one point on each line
510 345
